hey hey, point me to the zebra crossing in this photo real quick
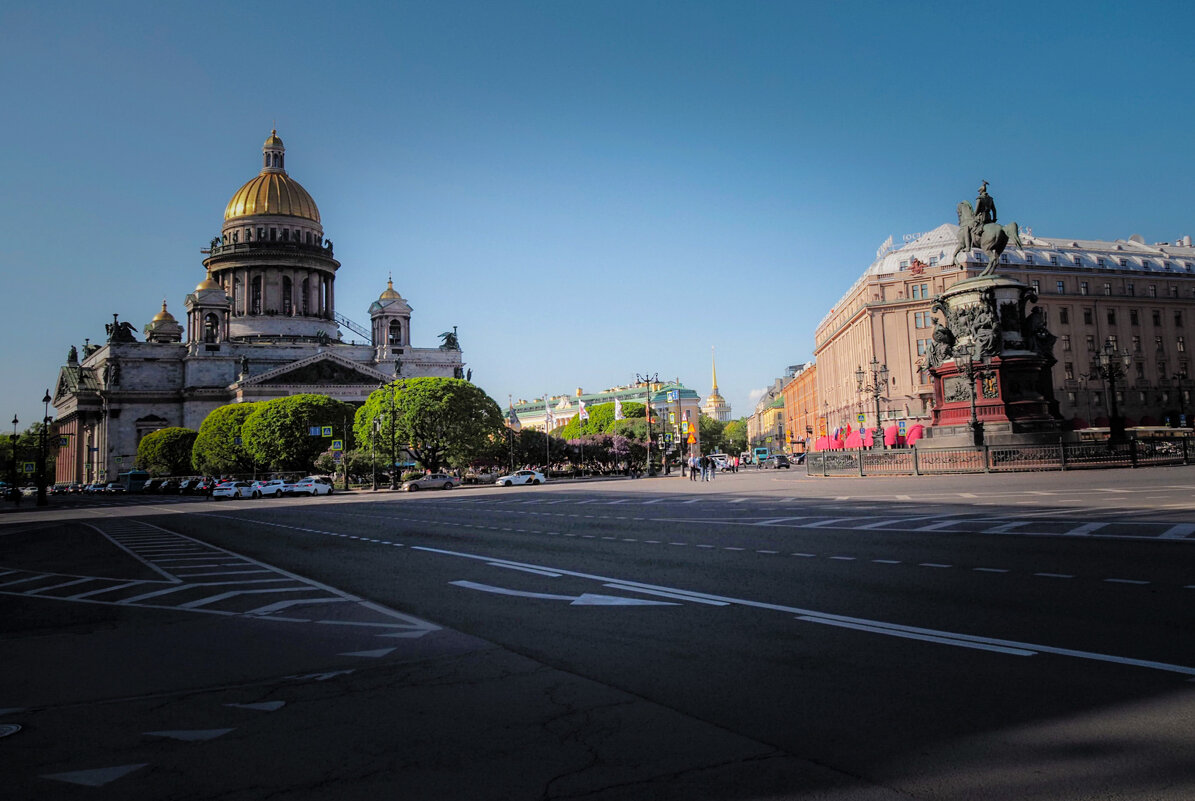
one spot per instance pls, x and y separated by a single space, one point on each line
193 576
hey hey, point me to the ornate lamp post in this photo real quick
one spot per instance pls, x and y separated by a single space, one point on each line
974 369
374 425
876 387
389 389
41 455
649 380
13 488
1182 384
1111 365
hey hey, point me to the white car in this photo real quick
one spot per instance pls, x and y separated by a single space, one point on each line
521 477
233 489
313 485
274 488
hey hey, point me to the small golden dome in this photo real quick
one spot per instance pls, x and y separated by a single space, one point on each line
389 293
204 286
274 193
164 316
274 141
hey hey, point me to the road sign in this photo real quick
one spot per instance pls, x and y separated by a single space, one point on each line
692 439
337 445
28 467
684 426
672 418
861 418
313 431
673 396
327 431
1182 420
901 427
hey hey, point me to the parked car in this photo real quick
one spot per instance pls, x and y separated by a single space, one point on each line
58 489
521 477
114 488
29 492
74 488
432 481
168 487
233 490
313 485
721 461
273 488
189 486
94 488
776 461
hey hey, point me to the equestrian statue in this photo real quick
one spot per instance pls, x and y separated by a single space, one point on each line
978 229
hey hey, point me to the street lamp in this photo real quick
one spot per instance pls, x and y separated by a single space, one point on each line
973 370
1110 365
16 493
389 388
373 460
649 380
876 387
41 456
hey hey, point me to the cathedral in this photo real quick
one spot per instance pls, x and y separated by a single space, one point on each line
262 324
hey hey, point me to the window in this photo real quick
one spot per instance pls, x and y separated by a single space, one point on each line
1129 289
1113 341
1172 291
933 261
1091 342
255 295
1064 316
1082 287
1069 371
1054 260
925 291
1029 258
1178 319
915 292
1146 264
922 347
1161 368
1182 369
1036 285
1060 288
1107 288
1071 399
1066 341
1152 290
1180 344
1136 344
1004 258
1077 259
1158 344
1088 317
287 292
1124 262
1157 317
1111 316
1165 265
921 319
1134 318
1140 370
904 265
1097 399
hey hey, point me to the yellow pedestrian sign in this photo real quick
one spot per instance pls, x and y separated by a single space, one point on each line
327 432
337 444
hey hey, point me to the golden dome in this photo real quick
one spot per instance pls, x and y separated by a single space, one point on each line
273 141
389 293
164 316
204 285
272 193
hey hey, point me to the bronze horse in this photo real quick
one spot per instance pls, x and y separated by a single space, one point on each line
993 238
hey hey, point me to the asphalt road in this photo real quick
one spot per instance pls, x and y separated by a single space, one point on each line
764 635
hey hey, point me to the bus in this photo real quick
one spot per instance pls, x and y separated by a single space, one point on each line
760 454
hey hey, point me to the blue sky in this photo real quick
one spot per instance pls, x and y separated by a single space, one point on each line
588 190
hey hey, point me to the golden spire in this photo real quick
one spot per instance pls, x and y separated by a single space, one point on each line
714 364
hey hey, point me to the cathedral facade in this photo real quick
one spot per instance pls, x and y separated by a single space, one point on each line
262 324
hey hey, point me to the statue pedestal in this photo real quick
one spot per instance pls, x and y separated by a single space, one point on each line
991 354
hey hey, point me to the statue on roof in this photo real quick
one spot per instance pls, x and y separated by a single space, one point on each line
977 228
450 341
120 332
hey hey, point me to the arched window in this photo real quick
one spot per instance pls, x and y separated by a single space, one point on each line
255 296
287 304
395 333
303 296
211 328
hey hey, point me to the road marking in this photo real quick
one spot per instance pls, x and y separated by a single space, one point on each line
375 654
886 561
1086 528
1054 575
585 599
774 520
264 706
989 570
931 564
677 595
1178 532
189 735
915 636
1125 581
97 777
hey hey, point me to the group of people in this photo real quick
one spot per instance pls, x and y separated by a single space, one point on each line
707 466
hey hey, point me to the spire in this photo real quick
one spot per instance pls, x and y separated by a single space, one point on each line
714 364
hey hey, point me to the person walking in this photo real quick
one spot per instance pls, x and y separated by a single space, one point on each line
692 467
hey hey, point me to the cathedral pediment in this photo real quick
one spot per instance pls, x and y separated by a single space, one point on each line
322 369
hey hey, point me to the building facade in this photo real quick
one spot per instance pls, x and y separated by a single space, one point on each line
802 420
715 405
1138 297
262 324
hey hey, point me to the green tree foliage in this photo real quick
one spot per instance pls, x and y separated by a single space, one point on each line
438 421
735 436
533 447
277 434
28 448
711 433
219 449
601 420
167 451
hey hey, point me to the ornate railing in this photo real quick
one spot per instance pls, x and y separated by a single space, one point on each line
1001 458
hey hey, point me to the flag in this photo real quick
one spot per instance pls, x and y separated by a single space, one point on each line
617 409
512 420
583 413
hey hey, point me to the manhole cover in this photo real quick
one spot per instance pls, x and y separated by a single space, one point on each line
8 728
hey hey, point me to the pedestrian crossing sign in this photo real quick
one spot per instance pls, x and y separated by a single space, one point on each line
861 418
28 467
327 431
337 444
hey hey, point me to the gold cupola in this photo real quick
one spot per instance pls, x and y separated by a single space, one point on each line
272 192
390 293
164 316
163 328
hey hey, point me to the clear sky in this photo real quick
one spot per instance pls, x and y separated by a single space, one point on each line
587 189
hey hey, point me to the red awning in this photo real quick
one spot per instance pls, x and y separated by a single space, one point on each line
915 433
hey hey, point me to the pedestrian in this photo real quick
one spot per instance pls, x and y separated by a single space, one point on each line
692 467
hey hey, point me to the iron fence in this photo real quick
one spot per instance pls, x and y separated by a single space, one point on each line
1000 458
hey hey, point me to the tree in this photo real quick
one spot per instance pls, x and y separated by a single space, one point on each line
278 435
167 451
711 433
735 436
437 420
28 448
219 449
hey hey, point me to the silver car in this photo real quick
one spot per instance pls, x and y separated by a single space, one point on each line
432 481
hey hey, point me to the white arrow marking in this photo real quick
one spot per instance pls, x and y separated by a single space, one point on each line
320 676
585 599
189 735
95 778
264 706
371 654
